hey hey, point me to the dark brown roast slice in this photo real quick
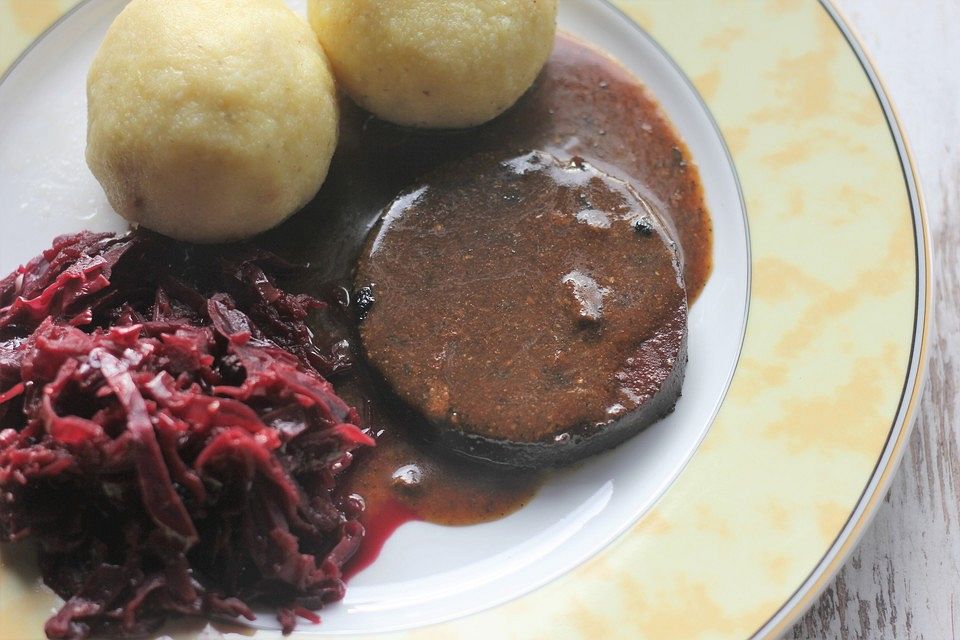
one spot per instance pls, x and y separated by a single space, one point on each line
529 311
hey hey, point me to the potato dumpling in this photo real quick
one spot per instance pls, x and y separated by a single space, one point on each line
210 120
435 63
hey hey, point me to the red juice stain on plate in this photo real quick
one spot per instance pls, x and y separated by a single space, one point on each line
379 525
402 481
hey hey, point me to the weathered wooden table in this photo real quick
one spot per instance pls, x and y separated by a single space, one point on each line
903 580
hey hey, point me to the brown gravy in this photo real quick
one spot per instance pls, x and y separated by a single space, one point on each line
583 104
530 310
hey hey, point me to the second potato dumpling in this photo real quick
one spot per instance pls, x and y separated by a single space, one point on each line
435 63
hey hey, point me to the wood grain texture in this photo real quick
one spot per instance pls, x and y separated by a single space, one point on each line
903 580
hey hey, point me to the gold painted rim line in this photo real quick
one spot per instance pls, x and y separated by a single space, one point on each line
889 459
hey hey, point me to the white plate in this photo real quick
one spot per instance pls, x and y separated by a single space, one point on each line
426 573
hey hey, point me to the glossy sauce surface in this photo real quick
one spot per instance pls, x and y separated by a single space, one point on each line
513 299
583 104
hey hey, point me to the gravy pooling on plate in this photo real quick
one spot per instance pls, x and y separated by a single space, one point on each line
583 104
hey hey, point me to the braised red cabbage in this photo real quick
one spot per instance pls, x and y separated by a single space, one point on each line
168 437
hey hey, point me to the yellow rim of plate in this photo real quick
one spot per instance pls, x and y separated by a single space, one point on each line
900 431
749 534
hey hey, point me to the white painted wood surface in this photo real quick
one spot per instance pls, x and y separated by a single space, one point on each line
903 580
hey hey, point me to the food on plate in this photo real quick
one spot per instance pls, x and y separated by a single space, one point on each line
584 103
210 121
435 63
168 433
167 436
531 311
